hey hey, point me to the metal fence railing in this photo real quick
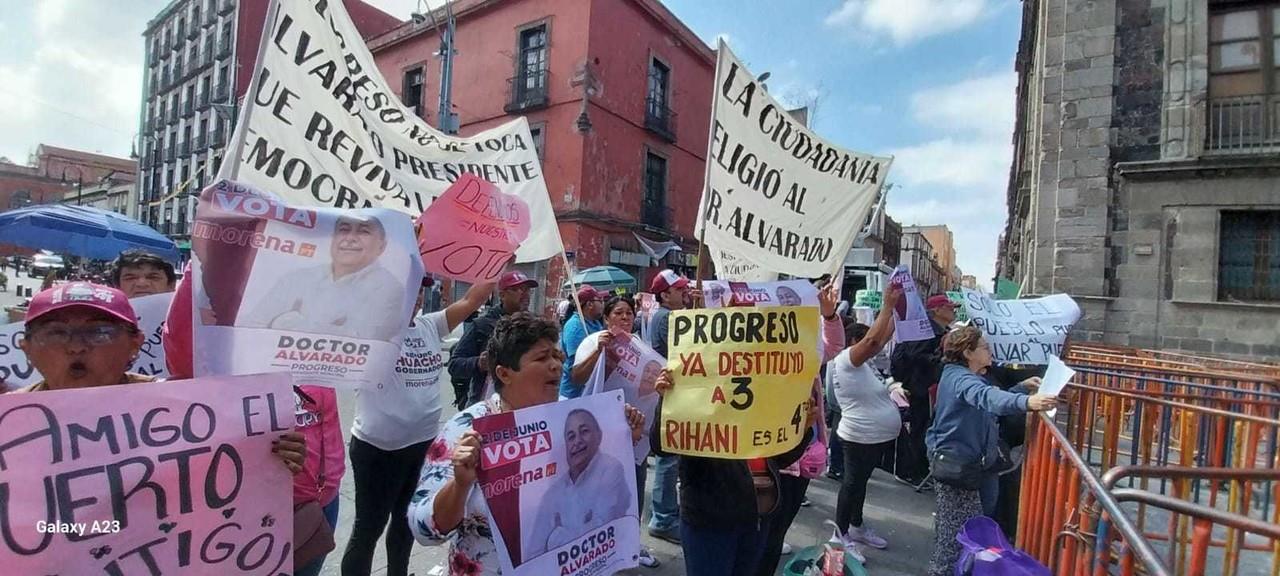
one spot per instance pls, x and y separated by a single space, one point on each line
1243 124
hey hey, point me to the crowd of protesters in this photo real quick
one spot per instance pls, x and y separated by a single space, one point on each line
930 412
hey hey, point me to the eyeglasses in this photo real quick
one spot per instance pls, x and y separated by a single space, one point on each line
92 336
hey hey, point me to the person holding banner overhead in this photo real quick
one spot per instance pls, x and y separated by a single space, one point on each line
525 362
918 366
395 423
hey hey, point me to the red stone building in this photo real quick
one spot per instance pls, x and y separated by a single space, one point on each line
55 172
621 160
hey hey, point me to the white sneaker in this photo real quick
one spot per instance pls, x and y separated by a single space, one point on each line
786 549
867 536
647 560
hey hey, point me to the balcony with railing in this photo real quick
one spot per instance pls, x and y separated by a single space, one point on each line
528 91
194 31
170 153
184 148
217 138
655 214
224 47
220 93
1243 125
200 143
660 119
202 100
179 38
188 108
173 114
225 6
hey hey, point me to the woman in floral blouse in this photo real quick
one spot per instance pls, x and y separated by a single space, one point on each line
525 363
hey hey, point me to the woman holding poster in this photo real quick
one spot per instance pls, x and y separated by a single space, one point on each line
525 363
630 365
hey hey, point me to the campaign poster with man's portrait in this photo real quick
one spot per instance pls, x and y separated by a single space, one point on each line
560 485
727 293
631 366
325 294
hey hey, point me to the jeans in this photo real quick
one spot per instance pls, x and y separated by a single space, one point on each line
791 491
989 493
721 552
385 481
665 504
860 460
330 514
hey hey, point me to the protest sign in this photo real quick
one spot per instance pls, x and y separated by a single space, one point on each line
472 231
1022 331
16 372
868 299
321 127
730 266
721 293
154 478
632 367
743 377
777 194
561 487
911 322
322 293
957 297
646 305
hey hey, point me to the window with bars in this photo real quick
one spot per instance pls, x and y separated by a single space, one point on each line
411 89
1249 256
537 132
1244 77
653 212
529 86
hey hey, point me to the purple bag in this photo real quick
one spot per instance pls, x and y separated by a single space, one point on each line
984 551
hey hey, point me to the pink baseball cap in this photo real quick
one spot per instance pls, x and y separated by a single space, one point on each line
666 280
939 301
515 278
86 295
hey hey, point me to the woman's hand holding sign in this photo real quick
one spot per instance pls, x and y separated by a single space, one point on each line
635 419
291 447
828 299
451 502
664 383
466 459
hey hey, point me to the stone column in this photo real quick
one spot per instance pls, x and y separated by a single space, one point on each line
1186 78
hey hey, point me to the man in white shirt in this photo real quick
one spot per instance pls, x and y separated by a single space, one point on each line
331 298
585 498
395 423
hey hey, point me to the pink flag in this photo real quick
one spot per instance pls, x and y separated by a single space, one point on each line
472 231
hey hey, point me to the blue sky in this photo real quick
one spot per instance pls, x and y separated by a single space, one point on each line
928 81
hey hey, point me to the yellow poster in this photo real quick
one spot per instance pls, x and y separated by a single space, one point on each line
742 380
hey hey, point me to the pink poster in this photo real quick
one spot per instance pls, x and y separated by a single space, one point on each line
157 478
472 231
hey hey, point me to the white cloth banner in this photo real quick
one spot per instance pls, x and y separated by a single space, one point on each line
325 294
16 372
776 193
910 320
561 487
323 128
634 372
730 266
721 294
1026 331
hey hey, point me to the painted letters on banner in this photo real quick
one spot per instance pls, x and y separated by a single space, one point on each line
16 372
911 321
472 231
322 293
632 367
323 128
722 294
560 486
777 194
156 478
742 380
730 266
1022 331
646 305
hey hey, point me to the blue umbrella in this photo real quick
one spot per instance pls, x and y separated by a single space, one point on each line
607 277
82 231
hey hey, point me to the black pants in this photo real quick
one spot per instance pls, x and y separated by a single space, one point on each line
385 481
912 456
860 460
791 491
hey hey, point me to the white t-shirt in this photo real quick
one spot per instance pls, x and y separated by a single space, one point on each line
405 408
867 413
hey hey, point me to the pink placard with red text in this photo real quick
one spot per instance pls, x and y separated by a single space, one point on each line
472 231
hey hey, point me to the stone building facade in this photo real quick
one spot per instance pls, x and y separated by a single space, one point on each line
1146 175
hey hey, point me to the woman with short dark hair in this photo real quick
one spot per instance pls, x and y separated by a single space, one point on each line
525 363
965 431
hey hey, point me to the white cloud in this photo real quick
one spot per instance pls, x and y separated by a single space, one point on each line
959 176
906 21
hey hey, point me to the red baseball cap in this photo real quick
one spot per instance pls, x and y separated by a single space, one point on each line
588 293
85 295
515 278
938 301
665 280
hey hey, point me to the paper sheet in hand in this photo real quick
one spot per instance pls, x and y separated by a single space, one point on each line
1055 379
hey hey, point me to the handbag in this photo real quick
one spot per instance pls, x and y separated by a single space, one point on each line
312 534
954 470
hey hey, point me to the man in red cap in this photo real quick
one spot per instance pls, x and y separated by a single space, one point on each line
576 329
918 365
670 290
468 361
